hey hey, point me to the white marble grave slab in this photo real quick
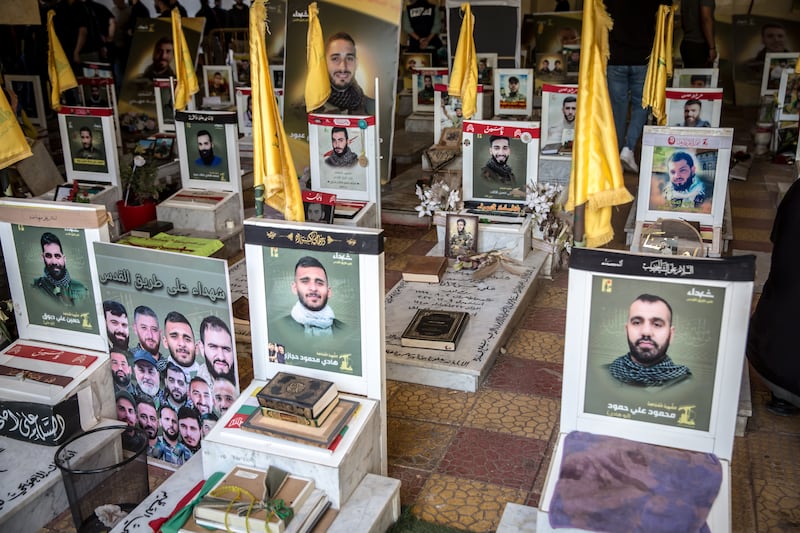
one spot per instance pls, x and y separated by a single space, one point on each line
495 305
517 519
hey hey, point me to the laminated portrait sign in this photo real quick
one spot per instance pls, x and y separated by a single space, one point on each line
315 303
513 91
318 206
694 108
448 117
500 160
343 156
559 108
169 325
789 96
164 90
90 149
29 93
244 110
695 78
207 147
684 174
47 248
217 84
486 64
774 65
277 76
96 92
423 85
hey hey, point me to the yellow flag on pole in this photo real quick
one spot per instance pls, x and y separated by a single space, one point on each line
184 69
464 77
58 67
660 66
318 85
13 145
274 175
596 177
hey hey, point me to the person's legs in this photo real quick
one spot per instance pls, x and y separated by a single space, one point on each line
638 73
617 76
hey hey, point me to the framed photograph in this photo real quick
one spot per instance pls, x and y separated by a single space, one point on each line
549 33
546 74
96 92
207 149
277 76
165 105
695 78
689 399
486 65
559 106
218 84
774 65
571 54
318 206
422 87
29 92
144 147
409 62
513 91
694 108
177 336
314 301
163 147
461 235
343 156
684 174
90 149
242 71
447 113
49 261
784 143
788 98
500 160
244 110
98 70
63 193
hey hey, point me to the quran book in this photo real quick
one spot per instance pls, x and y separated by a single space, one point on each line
151 228
300 419
299 395
322 436
426 269
309 512
434 329
496 211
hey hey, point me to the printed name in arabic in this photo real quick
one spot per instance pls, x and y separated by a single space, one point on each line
123 275
148 284
210 293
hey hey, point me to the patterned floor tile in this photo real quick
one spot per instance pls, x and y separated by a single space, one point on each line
432 404
526 376
417 444
753 223
551 295
525 416
747 234
752 212
411 482
396 245
774 457
469 505
498 458
544 319
539 345
777 509
743 511
757 246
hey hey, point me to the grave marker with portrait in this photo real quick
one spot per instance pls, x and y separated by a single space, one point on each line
695 78
217 85
513 91
789 96
694 108
90 149
559 108
163 90
29 92
424 81
774 65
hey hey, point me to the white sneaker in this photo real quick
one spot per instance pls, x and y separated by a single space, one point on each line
627 159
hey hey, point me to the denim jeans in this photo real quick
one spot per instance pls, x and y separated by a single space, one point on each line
625 86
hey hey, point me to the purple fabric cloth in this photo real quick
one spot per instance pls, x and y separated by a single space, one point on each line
617 485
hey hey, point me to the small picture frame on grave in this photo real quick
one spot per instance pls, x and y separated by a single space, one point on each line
559 106
103 74
163 147
461 235
695 78
318 206
447 111
96 92
63 193
423 83
217 84
207 149
411 61
87 139
244 110
789 96
684 174
694 108
774 65
39 252
349 263
163 88
343 155
486 65
513 91
546 74
29 92
241 74
500 160
277 76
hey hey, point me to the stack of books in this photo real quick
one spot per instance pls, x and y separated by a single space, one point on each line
301 409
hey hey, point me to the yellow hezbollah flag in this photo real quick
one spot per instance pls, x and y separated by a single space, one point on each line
464 77
58 67
596 176
318 86
660 66
274 176
13 146
184 70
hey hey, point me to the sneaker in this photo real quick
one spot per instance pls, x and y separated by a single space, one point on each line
627 159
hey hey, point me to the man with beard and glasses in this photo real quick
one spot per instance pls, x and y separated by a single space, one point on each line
189 427
205 150
685 191
649 329
216 344
116 325
175 392
341 154
200 395
496 168
145 324
168 446
146 373
147 415
179 340
56 281
121 371
346 98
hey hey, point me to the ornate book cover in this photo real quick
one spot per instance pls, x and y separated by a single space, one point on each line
435 329
297 394
322 436
299 419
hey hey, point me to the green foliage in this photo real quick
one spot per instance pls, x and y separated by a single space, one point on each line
408 523
139 179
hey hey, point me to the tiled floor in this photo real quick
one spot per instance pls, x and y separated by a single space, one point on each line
462 456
